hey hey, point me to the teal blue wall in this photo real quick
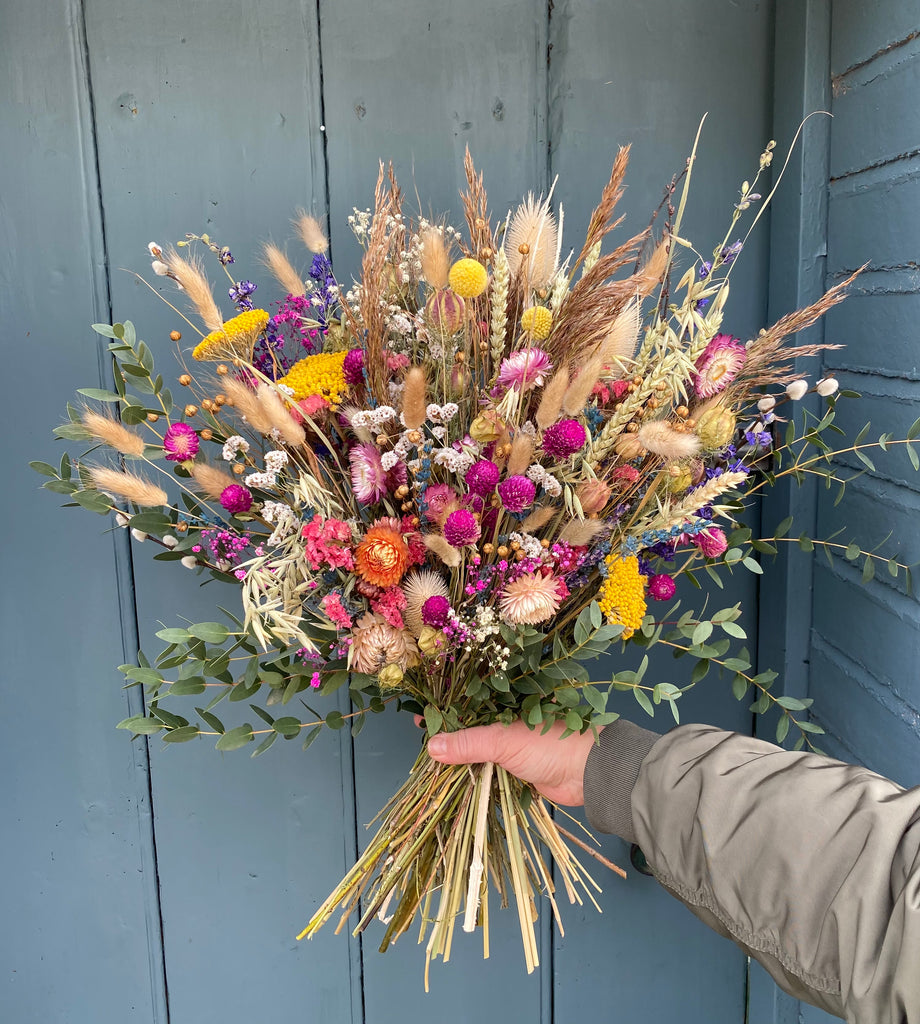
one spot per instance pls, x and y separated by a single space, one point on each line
167 884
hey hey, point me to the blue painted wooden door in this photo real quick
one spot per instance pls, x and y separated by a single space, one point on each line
167 884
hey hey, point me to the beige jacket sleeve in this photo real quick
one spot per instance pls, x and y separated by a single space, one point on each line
812 866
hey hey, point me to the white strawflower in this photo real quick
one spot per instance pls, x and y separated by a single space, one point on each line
797 389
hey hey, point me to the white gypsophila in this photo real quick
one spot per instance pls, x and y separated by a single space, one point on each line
531 547
275 434
234 445
435 348
275 461
285 389
401 323
529 428
261 480
388 461
452 460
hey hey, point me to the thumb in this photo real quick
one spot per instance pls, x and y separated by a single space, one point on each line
475 745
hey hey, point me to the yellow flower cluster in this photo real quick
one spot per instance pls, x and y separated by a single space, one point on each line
468 278
322 374
622 597
236 338
537 321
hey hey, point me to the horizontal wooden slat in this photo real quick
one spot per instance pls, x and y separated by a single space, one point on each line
860 30
863 318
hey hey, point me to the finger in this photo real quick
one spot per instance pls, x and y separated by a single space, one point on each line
419 721
469 746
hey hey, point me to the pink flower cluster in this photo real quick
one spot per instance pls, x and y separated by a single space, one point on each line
326 544
390 605
335 610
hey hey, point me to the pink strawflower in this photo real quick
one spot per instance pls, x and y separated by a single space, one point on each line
564 438
180 442
236 498
368 477
530 599
439 500
335 611
517 493
390 605
524 369
353 367
661 587
712 542
482 477
435 611
722 360
461 528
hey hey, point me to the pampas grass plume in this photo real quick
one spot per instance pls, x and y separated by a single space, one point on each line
551 402
521 451
291 432
283 271
449 555
538 518
311 232
211 480
434 257
415 398
246 404
662 439
579 391
114 434
190 274
129 485
580 532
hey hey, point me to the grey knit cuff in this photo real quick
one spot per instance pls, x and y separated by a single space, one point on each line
610 774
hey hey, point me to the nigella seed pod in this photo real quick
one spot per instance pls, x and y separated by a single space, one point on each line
445 312
715 428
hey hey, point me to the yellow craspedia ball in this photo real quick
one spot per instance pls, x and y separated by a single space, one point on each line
536 321
468 278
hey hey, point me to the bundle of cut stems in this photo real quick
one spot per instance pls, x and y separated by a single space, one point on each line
444 835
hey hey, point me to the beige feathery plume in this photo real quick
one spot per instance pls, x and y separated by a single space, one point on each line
551 403
415 397
434 257
532 242
660 437
211 480
619 344
649 275
580 532
579 391
521 451
538 518
279 416
311 232
114 434
247 404
284 273
128 485
190 274
449 555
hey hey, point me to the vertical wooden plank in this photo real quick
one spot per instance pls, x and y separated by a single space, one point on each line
416 87
616 77
78 854
209 121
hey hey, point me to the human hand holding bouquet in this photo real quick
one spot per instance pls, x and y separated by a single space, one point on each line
448 488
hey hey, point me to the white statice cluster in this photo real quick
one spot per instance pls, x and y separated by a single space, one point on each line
275 461
389 460
441 413
233 446
543 478
530 545
452 460
486 638
373 419
264 481
282 516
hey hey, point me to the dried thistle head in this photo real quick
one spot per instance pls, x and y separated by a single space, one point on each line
135 488
189 273
211 481
282 270
434 257
311 232
532 242
104 427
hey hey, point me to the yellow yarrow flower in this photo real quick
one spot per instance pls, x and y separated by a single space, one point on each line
468 278
322 374
235 339
622 597
537 321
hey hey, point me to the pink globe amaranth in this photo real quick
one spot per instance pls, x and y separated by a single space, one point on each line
461 528
236 498
482 477
712 542
353 366
435 611
661 587
517 493
180 442
564 438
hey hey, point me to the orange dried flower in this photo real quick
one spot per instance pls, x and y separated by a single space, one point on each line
383 556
